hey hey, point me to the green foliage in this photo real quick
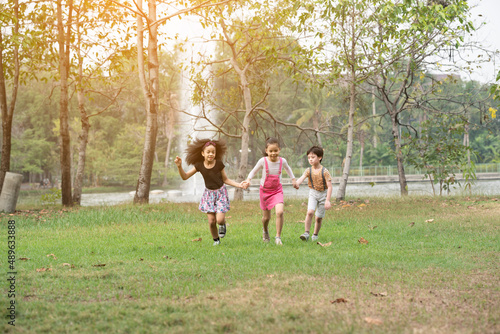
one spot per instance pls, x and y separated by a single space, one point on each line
439 151
52 197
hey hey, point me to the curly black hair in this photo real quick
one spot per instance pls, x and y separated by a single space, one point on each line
193 151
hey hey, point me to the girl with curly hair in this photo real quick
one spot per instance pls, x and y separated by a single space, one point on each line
206 157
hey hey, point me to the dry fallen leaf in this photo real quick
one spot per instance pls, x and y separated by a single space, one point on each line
67 265
346 205
49 255
361 205
301 221
429 220
379 294
411 224
362 241
199 239
24 258
99 265
471 207
373 321
324 245
339 300
270 276
372 227
44 269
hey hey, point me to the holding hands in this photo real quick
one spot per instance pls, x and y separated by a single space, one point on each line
245 184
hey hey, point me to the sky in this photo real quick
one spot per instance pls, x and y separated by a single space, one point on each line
484 13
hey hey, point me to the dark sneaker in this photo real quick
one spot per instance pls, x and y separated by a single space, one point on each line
222 231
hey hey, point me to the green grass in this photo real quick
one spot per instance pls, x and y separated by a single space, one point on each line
440 276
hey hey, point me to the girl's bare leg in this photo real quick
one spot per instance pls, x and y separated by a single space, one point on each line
279 208
221 218
212 222
266 216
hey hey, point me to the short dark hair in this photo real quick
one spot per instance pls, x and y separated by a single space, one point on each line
318 150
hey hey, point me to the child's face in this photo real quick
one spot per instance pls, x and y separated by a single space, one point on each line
209 153
314 160
273 152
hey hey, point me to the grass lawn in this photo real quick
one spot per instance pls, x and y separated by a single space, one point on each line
431 265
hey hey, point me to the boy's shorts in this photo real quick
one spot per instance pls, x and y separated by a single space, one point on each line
316 202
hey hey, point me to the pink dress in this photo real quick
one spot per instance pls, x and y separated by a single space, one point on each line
271 193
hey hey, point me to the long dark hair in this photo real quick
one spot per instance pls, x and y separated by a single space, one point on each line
270 141
193 151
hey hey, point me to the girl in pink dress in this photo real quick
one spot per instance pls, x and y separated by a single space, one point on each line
271 190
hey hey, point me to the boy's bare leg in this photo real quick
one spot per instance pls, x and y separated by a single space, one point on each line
317 225
308 220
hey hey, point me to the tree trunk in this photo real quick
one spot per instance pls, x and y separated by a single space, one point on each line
374 113
8 110
466 142
362 150
399 155
144 181
82 149
350 138
247 97
169 131
64 49
316 118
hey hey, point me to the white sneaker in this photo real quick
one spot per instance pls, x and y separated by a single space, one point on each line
217 243
314 237
277 241
305 236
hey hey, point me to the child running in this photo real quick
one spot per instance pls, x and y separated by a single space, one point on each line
271 190
320 184
206 156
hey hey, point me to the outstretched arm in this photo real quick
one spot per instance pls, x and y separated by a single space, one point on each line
182 173
229 181
290 173
300 180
